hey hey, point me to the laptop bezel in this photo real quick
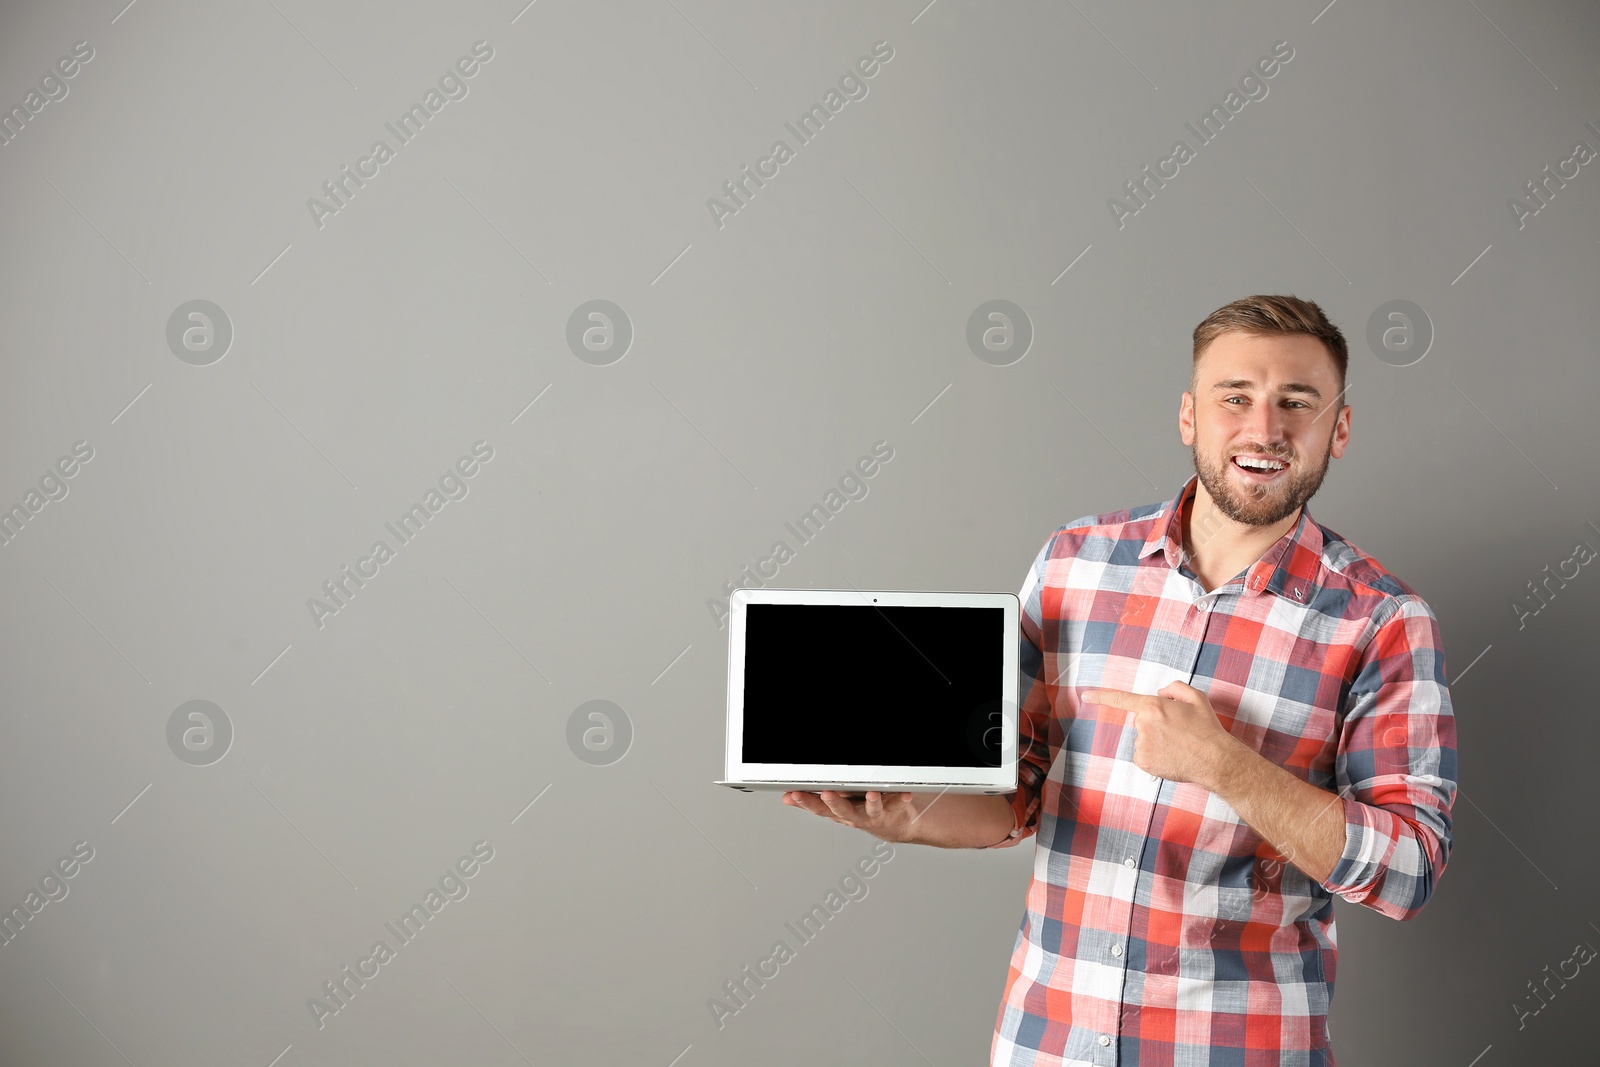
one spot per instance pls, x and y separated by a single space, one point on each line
997 779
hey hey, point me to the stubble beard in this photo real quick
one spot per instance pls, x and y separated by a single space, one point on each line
1259 505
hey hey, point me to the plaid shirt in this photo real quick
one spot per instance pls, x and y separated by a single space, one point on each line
1160 929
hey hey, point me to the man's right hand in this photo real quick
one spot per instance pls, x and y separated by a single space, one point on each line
946 820
889 816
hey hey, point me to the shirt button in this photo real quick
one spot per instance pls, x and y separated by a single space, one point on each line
1128 862
1105 1039
1155 777
1116 950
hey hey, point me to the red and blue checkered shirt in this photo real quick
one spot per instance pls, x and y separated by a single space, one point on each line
1161 929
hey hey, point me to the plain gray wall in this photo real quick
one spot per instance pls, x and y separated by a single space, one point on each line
768 354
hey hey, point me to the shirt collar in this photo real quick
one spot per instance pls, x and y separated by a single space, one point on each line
1289 568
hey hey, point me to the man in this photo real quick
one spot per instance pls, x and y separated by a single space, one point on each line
1228 714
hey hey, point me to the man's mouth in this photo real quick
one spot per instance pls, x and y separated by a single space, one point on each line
1258 467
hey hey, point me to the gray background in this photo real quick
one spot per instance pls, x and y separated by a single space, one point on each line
769 354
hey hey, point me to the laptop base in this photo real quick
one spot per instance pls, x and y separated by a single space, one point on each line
862 788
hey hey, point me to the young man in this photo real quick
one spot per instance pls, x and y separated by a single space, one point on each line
1229 714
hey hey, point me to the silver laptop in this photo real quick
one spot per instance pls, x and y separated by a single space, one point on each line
857 690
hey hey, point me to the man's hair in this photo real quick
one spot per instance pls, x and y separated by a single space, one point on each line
1269 316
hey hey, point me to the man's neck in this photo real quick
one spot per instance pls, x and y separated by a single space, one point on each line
1217 547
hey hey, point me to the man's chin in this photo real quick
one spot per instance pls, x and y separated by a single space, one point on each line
1256 504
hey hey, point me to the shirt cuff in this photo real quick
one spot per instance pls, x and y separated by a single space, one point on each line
1370 837
1023 824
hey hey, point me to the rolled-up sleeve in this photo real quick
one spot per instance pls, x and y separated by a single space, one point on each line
1396 768
1034 710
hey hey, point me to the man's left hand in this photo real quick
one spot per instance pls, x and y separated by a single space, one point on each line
1177 735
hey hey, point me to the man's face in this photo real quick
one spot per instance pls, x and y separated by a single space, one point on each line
1274 403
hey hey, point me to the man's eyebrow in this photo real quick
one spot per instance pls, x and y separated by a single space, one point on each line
1286 387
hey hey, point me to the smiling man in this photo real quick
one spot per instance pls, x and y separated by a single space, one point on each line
1229 715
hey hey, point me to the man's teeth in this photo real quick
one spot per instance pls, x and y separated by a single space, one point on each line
1260 464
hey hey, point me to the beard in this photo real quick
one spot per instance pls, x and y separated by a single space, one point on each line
1259 504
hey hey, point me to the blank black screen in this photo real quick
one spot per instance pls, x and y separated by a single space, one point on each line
871 685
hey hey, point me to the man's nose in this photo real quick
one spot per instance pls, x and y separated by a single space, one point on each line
1266 424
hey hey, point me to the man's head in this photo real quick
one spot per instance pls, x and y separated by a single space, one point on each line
1267 386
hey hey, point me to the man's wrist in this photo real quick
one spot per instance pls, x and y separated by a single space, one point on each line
961 821
1228 762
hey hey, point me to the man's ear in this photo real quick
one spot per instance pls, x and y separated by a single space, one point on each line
1341 432
1186 419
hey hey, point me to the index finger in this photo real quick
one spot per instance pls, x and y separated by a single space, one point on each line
1132 703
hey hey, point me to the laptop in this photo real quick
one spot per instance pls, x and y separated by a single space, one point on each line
856 690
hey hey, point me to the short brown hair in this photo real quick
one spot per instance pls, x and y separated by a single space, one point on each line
1270 315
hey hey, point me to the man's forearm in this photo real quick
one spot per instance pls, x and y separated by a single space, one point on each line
1304 823
960 820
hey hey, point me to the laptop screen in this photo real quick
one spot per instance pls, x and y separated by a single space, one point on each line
873 686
